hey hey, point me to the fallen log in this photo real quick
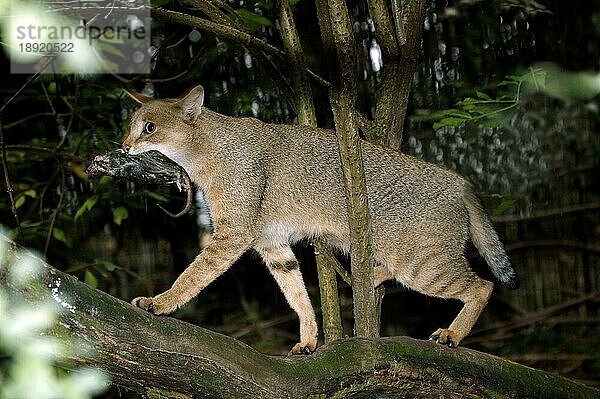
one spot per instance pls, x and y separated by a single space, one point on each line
163 357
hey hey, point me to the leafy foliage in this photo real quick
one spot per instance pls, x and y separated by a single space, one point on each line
253 20
34 359
487 110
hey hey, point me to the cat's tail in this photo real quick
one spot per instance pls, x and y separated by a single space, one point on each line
486 240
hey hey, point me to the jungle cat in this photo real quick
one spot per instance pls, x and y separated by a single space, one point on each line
269 186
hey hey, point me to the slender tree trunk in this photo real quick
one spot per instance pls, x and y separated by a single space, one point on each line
330 303
330 299
338 39
400 60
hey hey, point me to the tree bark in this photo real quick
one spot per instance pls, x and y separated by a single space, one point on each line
338 40
164 357
398 69
328 289
330 302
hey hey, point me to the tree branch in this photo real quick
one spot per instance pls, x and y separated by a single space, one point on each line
384 28
590 206
224 31
295 57
229 33
152 354
398 70
9 187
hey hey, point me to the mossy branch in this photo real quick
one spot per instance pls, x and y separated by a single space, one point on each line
157 355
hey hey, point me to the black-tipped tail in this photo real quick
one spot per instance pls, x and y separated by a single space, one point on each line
486 240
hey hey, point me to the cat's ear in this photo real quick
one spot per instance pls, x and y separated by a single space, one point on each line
191 103
138 97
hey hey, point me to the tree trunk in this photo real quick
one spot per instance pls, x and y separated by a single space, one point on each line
400 60
303 99
338 39
164 357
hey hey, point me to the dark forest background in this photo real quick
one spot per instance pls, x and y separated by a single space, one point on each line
535 165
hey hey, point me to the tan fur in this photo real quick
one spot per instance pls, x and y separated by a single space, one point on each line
269 186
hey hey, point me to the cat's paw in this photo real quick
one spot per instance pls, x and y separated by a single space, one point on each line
445 337
302 348
144 303
160 304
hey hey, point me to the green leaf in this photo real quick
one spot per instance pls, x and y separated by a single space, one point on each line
508 83
30 193
454 122
87 205
469 103
90 279
75 267
538 75
449 113
253 20
503 207
108 266
518 78
483 96
456 113
156 196
109 48
105 181
59 235
119 214
19 201
109 65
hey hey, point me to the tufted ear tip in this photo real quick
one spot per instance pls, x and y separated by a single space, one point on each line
138 97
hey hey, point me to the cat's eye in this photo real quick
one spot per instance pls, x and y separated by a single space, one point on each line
149 128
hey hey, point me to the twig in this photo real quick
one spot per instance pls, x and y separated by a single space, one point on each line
257 326
9 187
553 243
180 74
71 117
340 270
573 321
224 31
28 117
11 99
42 195
54 113
547 213
286 318
51 151
55 116
553 357
532 318
57 209
31 79
229 33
